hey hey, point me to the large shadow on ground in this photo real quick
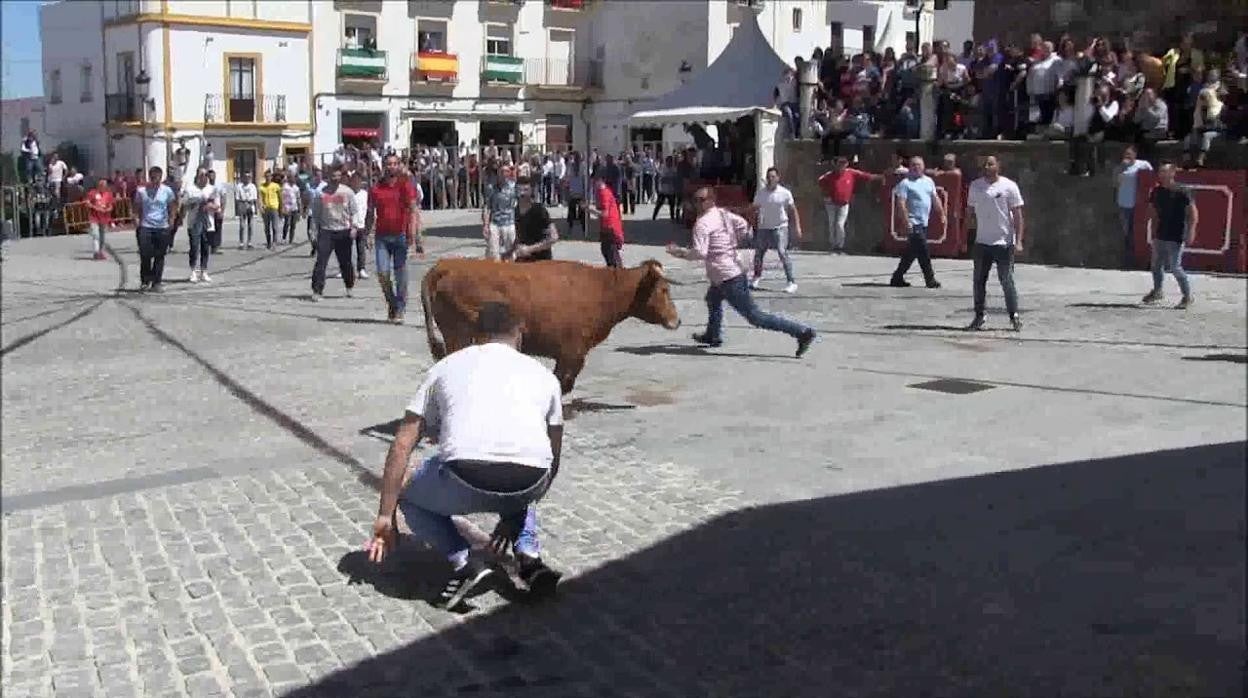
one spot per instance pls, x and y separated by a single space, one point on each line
1113 577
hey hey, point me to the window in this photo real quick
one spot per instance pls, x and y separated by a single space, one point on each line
125 73
837 39
54 87
498 40
942 4
25 126
797 19
912 42
240 160
868 37
360 31
431 36
241 90
85 95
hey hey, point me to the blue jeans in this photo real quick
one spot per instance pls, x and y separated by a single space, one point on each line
435 494
767 238
737 292
985 256
1168 256
153 243
392 261
791 113
1127 216
200 242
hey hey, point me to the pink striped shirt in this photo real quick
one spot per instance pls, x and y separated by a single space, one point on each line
716 235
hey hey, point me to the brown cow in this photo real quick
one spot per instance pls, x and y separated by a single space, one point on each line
567 308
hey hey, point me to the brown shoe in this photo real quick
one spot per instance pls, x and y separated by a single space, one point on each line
1152 297
1184 303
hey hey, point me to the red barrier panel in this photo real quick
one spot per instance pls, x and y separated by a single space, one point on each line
1221 231
945 238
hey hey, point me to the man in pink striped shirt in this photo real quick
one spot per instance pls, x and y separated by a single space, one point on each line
716 235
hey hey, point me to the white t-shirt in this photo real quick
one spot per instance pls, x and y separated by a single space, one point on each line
772 211
992 204
361 208
56 171
491 403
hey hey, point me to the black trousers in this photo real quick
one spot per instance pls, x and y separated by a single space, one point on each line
361 251
339 244
611 253
574 212
218 225
153 244
916 249
670 199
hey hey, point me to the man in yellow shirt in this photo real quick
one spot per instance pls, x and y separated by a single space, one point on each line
270 204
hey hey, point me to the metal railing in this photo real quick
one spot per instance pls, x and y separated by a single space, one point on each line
261 109
122 107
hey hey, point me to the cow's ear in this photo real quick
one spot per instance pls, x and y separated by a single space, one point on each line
654 267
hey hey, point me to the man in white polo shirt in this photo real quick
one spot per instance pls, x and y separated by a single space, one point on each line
997 208
775 208
497 418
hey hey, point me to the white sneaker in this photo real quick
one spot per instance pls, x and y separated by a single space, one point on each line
194 276
791 288
241 246
203 276
349 295
363 274
754 283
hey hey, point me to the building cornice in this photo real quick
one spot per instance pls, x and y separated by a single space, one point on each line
166 19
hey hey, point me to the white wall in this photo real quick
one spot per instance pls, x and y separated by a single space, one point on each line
198 53
12 111
71 39
275 10
956 24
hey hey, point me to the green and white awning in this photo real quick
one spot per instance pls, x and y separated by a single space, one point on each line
507 69
361 63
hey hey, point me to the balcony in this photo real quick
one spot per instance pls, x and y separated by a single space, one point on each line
572 5
503 70
562 73
435 67
362 64
227 109
121 108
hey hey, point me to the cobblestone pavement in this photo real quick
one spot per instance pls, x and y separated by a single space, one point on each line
188 478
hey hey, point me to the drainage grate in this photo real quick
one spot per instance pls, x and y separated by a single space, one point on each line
953 386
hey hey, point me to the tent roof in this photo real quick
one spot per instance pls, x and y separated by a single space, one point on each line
739 82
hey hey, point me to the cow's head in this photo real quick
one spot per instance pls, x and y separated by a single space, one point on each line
653 301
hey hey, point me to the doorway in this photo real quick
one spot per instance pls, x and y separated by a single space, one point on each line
434 133
362 128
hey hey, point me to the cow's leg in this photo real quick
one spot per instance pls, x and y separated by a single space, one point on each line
567 368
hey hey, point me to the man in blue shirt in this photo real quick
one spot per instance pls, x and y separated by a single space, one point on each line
155 203
916 197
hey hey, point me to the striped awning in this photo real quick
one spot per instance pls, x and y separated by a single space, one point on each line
507 69
360 132
361 63
436 66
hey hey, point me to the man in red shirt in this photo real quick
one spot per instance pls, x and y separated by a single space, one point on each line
611 233
837 186
100 214
395 207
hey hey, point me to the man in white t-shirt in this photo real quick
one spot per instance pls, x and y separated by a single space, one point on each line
57 169
497 418
362 224
776 212
996 205
1128 179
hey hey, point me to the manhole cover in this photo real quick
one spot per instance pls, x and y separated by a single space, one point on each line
953 386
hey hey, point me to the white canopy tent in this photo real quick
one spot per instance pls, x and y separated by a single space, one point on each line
739 83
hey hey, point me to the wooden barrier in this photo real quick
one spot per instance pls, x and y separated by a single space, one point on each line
77 217
123 212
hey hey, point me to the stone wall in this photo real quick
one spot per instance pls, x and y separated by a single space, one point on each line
1071 221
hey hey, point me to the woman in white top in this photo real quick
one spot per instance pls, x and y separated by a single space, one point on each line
290 210
246 197
197 209
1206 119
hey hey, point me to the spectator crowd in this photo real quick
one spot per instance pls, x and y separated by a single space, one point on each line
990 91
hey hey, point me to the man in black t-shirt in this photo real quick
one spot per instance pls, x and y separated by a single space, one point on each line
535 233
1174 219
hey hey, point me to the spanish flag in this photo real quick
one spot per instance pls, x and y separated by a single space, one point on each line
436 66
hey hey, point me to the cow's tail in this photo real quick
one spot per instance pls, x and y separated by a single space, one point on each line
437 345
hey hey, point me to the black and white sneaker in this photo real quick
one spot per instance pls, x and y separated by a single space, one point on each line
461 582
704 340
976 325
540 579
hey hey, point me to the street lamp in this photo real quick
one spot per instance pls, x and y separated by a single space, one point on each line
142 86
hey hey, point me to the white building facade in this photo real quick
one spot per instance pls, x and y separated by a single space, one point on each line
465 72
181 81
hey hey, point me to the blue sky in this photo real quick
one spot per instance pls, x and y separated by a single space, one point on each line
21 72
